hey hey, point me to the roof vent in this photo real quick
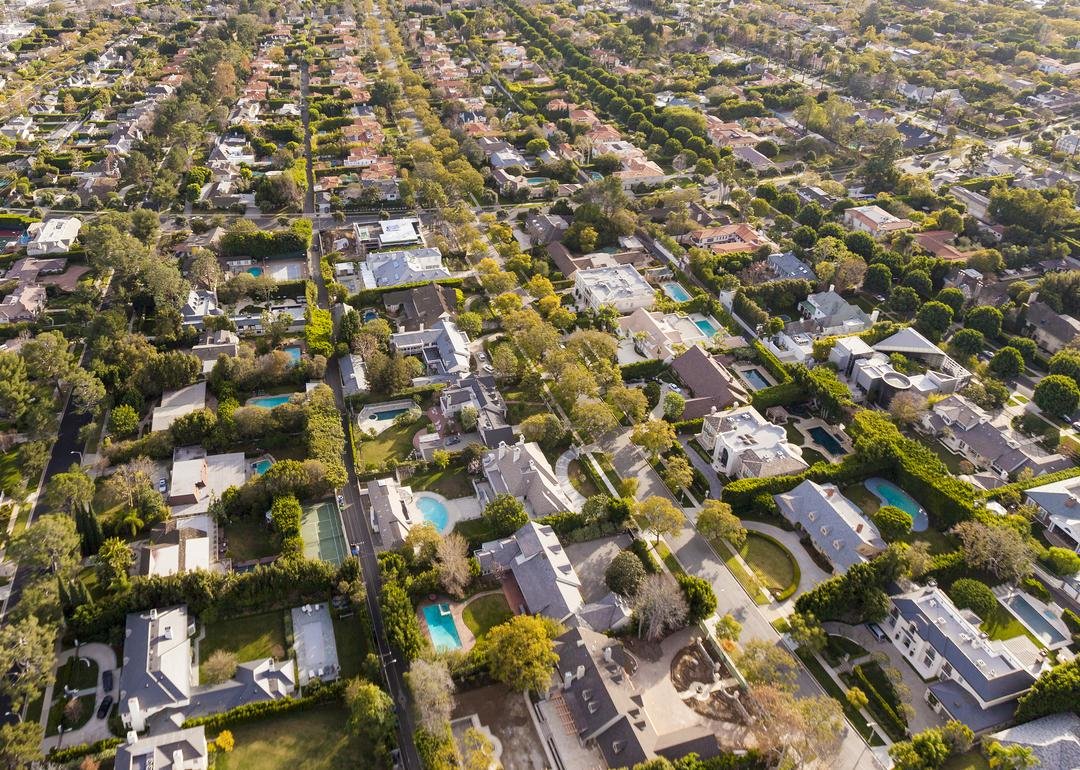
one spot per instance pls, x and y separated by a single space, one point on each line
593 707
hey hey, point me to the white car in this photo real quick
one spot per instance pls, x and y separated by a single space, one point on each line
162 486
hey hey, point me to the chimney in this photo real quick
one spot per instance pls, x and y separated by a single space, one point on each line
607 654
832 287
874 315
568 679
580 672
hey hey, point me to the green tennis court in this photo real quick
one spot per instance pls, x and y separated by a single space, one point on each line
320 526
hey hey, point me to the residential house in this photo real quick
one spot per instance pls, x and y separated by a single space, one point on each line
198 479
176 750
545 228
727 239
214 344
988 442
977 204
875 220
393 510
1059 509
480 392
1051 330
388 234
353 373
752 158
173 548
640 171
394 268
729 134
201 303
975 680
744 444
708 384
834 524
787 266
443 348
53 236
872 377
1054 740
620 286
177 403
597 689
660 335
157 672
829 313
18 129
420 307
522 470
25 303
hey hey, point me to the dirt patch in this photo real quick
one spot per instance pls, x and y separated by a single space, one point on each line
690 666
506 714
644 649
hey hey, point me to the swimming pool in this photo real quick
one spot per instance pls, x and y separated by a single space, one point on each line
754 378
262 466
675 290
255 271
1035 621
890 494
389 414
270 401
707 326
537 180
434 511
441 626
370 315
294 354
827 440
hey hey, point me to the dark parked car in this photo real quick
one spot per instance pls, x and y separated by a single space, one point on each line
107 681
875 629
103 709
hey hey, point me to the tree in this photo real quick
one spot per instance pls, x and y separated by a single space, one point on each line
805 631
71 491
1055 691
129 480
878 279
660 606
952 297
659 515
592 418
630 401
933 319
521 653
1061 561
1066 362
880 170
432 691
219 667
699 595
654 436
452 562
114 559
763 662
20 744
505 362
728 628
441 459
468 417
1007 363
893 523
797 732
857 698
26 655
907 408
506 515
544 428
50 543
1015 756
205 269
925 751
371 716
999 550
674 404
625 574
959 736
402 627
1057 395
716 522
225 741
478 753
968 342
974 595
678 473
986 319
123 420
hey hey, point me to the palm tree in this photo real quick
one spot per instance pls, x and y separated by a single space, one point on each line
131 523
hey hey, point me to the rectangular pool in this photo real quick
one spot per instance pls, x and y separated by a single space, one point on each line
827 440
390 414
754 379
675 290
1030 616
707 327
270 401
441 626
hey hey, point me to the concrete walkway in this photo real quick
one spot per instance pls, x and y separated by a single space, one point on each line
562 472
95 729
630 462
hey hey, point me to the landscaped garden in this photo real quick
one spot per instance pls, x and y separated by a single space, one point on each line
72 714
772 564
352 644
394 442
1001 624
451 482
580 480
248 637
317 739
836 647
485 612
836 692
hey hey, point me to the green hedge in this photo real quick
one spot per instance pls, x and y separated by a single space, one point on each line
688 426
778 395
772 364
71 753
892 722
317 695
643 370
1035 481
16 221
370 296
641 549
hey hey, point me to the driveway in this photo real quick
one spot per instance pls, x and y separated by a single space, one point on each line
716 488
562 472
630 462
95 729
591 560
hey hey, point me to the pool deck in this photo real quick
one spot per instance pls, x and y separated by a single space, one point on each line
365 420
804 426
468 641
1004 593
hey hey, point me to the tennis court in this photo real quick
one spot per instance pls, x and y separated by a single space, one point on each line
320 527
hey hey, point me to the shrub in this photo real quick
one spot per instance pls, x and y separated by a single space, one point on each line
641 550
625 573
1061 561
1035 587
506 515
893 523
317 694
974 595
700 598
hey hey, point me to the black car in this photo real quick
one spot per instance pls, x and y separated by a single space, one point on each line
107 681
103 709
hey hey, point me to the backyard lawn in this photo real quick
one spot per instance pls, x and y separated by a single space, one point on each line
451 483
352 645
862 497
395 441
85 710
772 564
249 539
10 476
952 461
485 612
811 456
939 542
972 760
1002 625
476 531
317 739
250 637
793 434
581 482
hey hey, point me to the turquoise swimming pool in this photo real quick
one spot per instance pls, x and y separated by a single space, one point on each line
434 511
255 271
269 401
441 626
1034 620
675 290
707 327
537 180
262 466
390 414
754 379
890 494
293 353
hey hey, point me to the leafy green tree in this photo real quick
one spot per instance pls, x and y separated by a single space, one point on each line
26 654
1013 757
1066 362
968 342
1057 395
402 627
114 559
1055 691
71 491
654 436
678 474
660 516
521 654
878 279
506 515
674 404
952 297
805 631
925 751
1061 561
933 319
123 421
716 522
893 523
372 718
50 543
699 595
1007 363
20 744
986 319
974 595
625 573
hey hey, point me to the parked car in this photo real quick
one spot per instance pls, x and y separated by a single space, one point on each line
489 368
107 680
875 629
1076 425
341 501
162 486
453 440
103 709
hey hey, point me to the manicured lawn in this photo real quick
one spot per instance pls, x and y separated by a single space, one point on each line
952 461
395 441
518 411
939 542
476 531
77 674
862 497
485 612
352 644
811 456
249 539
838 646
304 740
87 705
771 562
669 559
453 482
250 637
837 693
10 475
793 434
746 580
1002 625
581 482
973 760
